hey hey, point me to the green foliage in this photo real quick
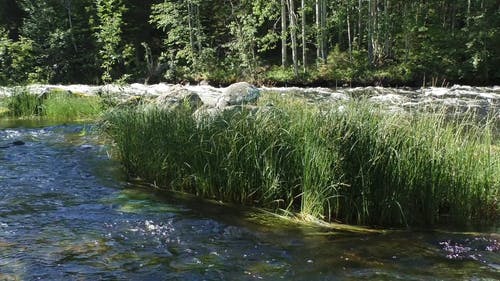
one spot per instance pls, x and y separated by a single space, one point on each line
68 106
243 46
480 36
280 75
277 75
55 105
113 52
399 42
17 60
10 17
346 68
351 163
338 66
50 42
184 42
222 76
24 104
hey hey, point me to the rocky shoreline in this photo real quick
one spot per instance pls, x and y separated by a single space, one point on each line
483 100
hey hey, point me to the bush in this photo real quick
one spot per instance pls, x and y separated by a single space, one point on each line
17 60
345 68
280 75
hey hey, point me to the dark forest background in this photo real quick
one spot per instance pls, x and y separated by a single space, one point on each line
275 42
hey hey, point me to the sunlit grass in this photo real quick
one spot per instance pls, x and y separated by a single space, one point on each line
354 164
56 105
68 107
23 104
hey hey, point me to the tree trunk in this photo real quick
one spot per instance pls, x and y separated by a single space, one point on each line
360 33
198 29
370 32
283 34
190 26
387 28
374 52
406 32
70 22
304 47
323 29
293 36
349 39
453 17
320 30
467 20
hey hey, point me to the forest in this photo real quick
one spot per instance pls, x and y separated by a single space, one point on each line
270 42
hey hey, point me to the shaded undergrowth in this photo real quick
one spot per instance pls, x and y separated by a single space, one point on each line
354 163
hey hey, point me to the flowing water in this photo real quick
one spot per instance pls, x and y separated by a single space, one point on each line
67 213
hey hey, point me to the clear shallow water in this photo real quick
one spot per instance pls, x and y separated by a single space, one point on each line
66 213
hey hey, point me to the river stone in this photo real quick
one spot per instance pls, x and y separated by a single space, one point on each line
233 109
124 102
206 113
18 142
209 95
178 95
238 94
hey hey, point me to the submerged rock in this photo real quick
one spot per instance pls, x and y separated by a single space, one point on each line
18 142
14 143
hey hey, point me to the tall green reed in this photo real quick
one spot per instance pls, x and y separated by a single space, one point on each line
354 163
67 106
56 105
23 104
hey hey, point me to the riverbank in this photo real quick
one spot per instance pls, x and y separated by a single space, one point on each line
406 96
458 98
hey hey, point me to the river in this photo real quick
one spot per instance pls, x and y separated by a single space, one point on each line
68 213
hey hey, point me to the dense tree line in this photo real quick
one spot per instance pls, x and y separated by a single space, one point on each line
389 42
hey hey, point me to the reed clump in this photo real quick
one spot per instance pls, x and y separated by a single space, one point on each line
352 163
68 106
55 105
22 104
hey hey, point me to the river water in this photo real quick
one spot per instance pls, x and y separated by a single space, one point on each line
67 213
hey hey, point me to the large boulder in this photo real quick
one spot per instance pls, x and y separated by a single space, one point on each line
239 94
178 95
206 113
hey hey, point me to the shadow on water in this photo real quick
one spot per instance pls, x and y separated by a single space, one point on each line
27 123
66 213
